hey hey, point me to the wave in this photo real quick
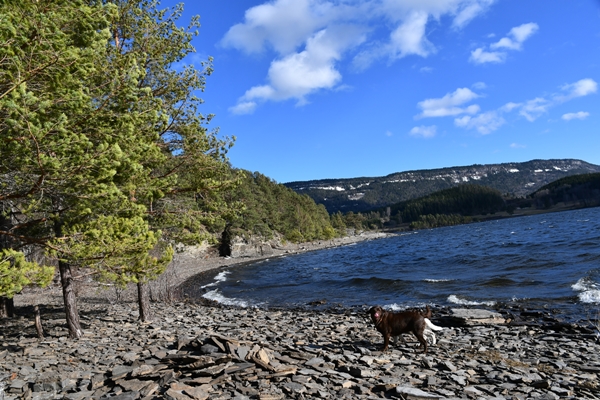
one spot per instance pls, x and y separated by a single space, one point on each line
456 300
437 280
220 277
397 307
589 291
498 282
217 296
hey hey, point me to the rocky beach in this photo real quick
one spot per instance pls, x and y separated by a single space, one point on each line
203 350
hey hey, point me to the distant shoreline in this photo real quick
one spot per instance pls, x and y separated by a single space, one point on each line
523 212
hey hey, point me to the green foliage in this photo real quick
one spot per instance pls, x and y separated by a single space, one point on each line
16 272
102 146
271 208
576 191
183 181
439 220
466 200
117 249
590 180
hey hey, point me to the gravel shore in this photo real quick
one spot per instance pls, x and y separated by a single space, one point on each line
208 351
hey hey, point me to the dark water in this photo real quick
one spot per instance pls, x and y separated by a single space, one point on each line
544 261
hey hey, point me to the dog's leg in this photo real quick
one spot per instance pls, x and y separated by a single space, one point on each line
386 342
418 332
423 342
398 338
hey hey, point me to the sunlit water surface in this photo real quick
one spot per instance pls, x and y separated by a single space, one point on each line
547 261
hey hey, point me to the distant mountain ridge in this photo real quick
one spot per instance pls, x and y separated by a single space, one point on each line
367 193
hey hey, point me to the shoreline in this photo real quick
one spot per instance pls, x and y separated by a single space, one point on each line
205 350
189 264
209 351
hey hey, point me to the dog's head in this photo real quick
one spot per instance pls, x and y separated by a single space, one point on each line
376 313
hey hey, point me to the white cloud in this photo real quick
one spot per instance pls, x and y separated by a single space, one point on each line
513 41
577 115
452 104
533 109
484 123
389 133
508 107
245 107
517 146
516 37
409 37
283 24
425 132
410 18
289 28
469 10
449 105
580 88
479 85
426 69
297 75
480 56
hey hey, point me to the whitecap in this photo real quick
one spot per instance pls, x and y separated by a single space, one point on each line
220 277
437 280
215 295
395 307
590 296
398 307
584 284
456 300
589 292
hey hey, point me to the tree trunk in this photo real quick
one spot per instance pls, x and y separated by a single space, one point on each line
67 282
38 321
144 303
7 307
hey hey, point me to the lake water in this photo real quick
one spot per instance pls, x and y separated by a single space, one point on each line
543 261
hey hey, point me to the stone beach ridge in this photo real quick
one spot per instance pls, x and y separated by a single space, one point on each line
202 350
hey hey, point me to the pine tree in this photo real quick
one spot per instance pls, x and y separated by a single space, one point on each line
102 143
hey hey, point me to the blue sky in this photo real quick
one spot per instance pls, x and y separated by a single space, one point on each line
316 89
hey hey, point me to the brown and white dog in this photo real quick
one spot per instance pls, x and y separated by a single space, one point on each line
392 324
428 333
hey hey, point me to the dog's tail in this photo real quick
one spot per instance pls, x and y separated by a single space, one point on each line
431 326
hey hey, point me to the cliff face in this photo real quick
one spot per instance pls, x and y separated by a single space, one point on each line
361 194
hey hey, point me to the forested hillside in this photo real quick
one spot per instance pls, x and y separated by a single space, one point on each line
273 209
367 193
468 203
575 191
453 204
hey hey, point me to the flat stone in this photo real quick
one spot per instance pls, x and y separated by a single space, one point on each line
120 371
478 316
293 387
411 393
196 393
126 396
79 395
132 384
